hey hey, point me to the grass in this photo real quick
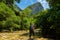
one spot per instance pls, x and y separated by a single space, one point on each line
18 35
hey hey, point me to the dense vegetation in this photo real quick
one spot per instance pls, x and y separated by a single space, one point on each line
47 20
12 19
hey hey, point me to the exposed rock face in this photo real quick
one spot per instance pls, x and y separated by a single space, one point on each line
37 7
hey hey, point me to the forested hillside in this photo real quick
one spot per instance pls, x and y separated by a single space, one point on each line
13 19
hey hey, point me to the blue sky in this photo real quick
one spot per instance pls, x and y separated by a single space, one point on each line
25 3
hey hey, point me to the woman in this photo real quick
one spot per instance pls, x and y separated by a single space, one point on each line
31 30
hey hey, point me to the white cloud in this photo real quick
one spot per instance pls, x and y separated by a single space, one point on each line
40 0
44 3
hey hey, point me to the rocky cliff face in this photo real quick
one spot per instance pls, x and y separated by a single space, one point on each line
37 7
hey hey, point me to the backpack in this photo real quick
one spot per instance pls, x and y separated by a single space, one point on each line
31 27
